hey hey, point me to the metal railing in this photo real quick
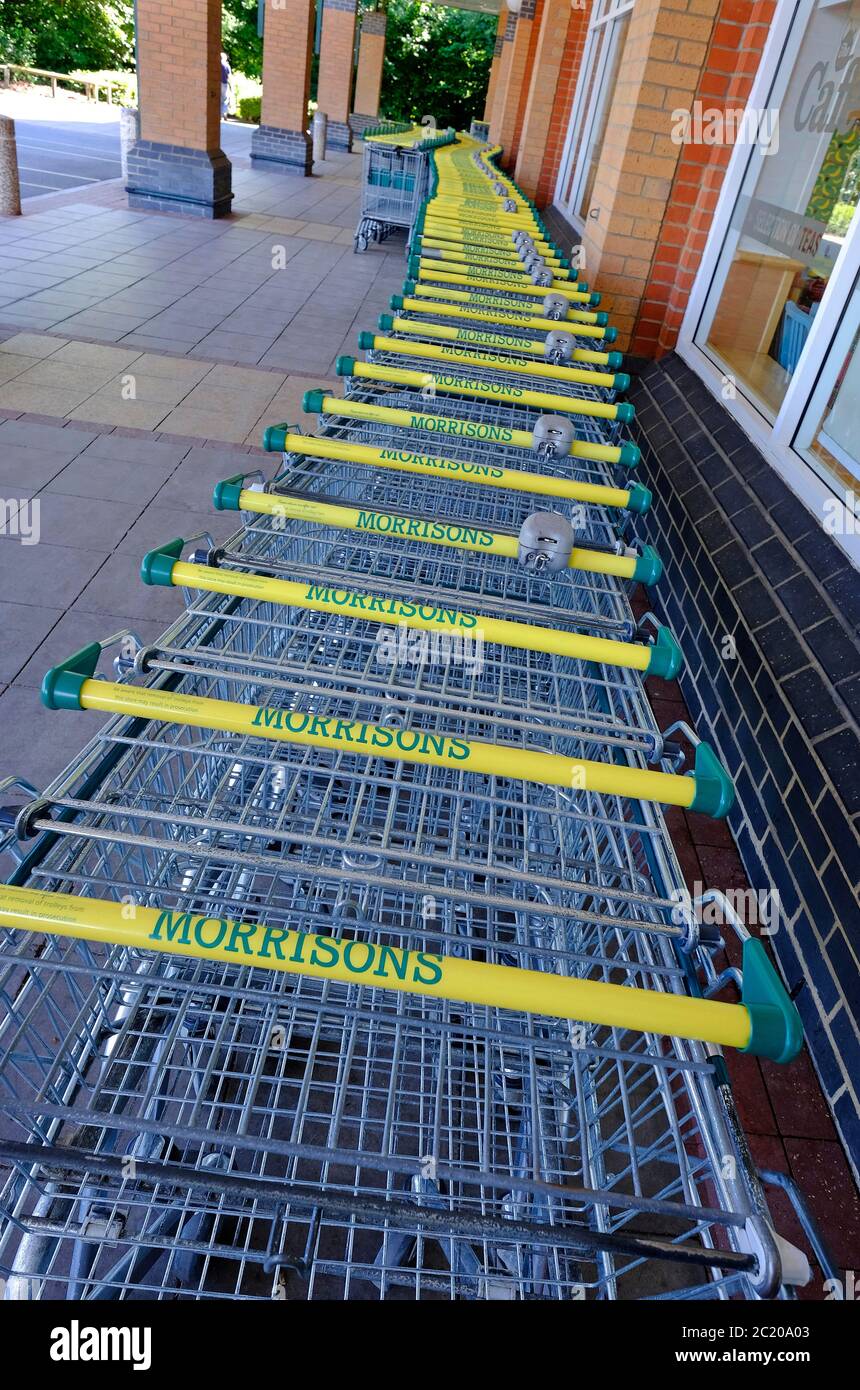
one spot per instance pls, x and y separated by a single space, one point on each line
91 88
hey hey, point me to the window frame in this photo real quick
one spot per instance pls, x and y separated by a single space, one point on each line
775 436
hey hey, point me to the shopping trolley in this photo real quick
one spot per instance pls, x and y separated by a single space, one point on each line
200 1127
334 969
528 372
395 180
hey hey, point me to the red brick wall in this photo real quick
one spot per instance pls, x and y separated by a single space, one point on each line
508 103
526 83
179 50
731 63
577 29
287 48
337 53
368 74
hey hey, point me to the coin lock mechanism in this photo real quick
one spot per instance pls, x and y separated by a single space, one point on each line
558 346
553 435
546 541
555 306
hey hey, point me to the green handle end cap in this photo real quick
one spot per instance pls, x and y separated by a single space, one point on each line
629 455
366 340
61 686
581 287
595 298
666 657
715 792
616 360
312 401
610 335
345 366
622 381
639 499
601 319
396 301
385 324
776 1030
625 412
648 567
409 286
275 438
413 268
225 497
156 567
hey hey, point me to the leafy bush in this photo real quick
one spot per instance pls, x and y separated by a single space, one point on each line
437 62
124 84
77 35
242 43
248 109
840 218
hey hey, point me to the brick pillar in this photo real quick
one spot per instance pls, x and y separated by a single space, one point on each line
577 30
543 95
368 76
725 82
525 86
508 109
337 53
495 115
664 53
495 66
282 140
177 164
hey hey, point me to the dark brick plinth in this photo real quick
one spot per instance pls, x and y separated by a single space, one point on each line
288 150
339 136
170 178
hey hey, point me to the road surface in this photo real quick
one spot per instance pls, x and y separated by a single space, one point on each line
71 143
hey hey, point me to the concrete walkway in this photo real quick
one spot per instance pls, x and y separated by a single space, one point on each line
98 303
141 356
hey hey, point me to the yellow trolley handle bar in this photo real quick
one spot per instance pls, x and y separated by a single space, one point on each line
278 439
316 402
492 362
495 257
70 685
765 1022
487 299
448 333
506 392
229 495
465 276
497 318
163 566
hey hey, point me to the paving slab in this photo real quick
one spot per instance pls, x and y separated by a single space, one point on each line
43 574
24 628
39 742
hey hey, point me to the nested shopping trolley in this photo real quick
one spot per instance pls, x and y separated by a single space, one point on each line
395 182
343 965
316 1018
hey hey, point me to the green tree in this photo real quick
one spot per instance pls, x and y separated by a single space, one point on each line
437 62
72 36
242 43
